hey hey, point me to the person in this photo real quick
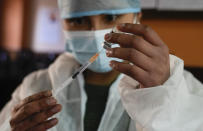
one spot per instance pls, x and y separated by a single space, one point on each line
144 88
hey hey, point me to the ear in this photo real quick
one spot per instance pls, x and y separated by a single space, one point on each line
65 24
138 17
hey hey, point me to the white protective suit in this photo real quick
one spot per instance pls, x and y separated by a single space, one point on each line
174 106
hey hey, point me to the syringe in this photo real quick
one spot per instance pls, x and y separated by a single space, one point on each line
80 70
86 65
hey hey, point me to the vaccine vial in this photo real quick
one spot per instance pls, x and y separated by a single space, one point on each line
107 45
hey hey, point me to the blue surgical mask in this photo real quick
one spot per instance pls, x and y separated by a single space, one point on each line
84 44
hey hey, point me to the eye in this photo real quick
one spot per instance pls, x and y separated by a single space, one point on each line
111 18
78 21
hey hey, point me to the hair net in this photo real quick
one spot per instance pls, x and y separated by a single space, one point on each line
79 8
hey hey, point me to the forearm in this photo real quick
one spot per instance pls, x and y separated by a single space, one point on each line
170 106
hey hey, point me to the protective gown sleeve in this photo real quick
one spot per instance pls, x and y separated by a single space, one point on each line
36 82
32 84
5 114
174 106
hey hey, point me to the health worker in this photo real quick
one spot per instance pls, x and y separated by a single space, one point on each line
135 86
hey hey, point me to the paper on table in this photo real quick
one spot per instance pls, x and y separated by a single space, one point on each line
48 35
180 4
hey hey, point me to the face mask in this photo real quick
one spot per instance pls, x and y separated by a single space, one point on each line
84 44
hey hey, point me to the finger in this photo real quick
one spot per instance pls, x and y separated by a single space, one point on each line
131 70
45 125
31 108
33 98
131 55
131 41
38 118
145 31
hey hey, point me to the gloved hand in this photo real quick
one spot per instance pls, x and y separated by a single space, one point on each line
32 113
147 54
